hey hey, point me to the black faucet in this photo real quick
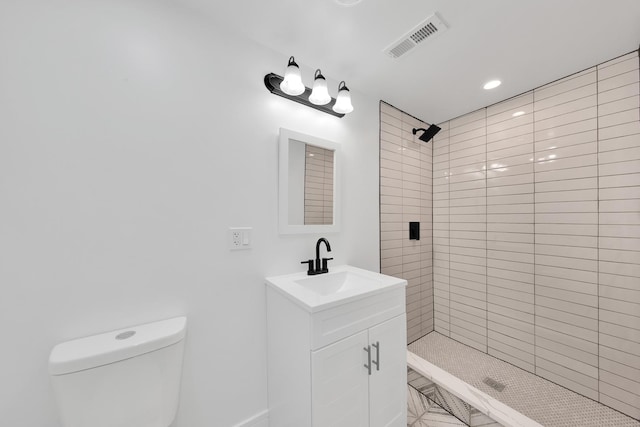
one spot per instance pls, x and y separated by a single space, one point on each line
319 268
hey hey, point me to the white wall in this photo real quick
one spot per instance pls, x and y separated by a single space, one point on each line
132 134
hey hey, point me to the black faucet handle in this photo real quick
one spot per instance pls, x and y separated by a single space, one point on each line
310 269
325 268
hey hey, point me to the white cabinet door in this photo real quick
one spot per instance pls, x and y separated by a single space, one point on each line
388 381
340 384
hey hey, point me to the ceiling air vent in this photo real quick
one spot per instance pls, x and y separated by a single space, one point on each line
426 30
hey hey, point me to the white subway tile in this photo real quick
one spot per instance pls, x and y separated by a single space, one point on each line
497 170
613 283
568 263
572 105
567 339
562 142
522 267
580 240
517 278
622 307
618 105
510 189
509 137
567 207
566 174
567 196
574 286
619 93
508 345
619 331
616 119
556 89
568 362
568 296
560 348
512 150
623 79
627 180
474 116
632 360
620 155
564 380
577 314
510 228
632 128
510 106
521 328
617 66
562 130
630 410
509 122
566 328
631 218
508 311
567 218
510 208
619 268
502 181
494 236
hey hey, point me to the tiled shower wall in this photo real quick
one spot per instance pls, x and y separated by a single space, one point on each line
536 231
405 196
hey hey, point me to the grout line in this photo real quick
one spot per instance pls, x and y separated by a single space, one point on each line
533 176
598 225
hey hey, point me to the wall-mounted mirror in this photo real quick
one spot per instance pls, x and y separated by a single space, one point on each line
308 194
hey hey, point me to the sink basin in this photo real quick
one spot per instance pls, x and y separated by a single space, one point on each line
342 284
333 283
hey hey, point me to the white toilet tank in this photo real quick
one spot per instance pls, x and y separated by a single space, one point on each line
125 378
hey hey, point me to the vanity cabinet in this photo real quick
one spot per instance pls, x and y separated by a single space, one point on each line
359 380
340 366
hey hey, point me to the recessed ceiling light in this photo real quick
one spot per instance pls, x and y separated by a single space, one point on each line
492 84
348 3
518 114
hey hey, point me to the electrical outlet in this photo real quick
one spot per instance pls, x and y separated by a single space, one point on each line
239 238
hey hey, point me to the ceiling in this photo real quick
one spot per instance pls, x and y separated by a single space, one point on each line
523 43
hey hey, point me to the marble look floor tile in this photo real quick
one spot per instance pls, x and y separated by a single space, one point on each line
424 413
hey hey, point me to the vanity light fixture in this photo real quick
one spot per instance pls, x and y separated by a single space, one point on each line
320 93
291 87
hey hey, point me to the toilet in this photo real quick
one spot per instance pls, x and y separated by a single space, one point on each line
125 378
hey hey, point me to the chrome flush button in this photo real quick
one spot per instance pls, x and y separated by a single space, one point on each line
125 335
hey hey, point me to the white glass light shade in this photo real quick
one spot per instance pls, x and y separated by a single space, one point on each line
320 93
343 101
292 83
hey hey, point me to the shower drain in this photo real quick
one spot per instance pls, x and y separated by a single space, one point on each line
494 384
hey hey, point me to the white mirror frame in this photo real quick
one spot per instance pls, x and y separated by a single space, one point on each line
283 183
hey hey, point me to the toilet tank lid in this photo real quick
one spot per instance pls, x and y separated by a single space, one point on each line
110 347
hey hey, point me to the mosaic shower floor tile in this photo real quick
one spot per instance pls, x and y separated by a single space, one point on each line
543 401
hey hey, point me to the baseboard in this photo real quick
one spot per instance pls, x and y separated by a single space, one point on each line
259 420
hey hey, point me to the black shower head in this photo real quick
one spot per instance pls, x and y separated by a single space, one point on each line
428 133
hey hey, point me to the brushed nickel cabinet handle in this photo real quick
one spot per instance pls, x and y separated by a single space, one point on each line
377 361
368 350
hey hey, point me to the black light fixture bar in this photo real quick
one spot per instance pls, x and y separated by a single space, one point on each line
272 82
